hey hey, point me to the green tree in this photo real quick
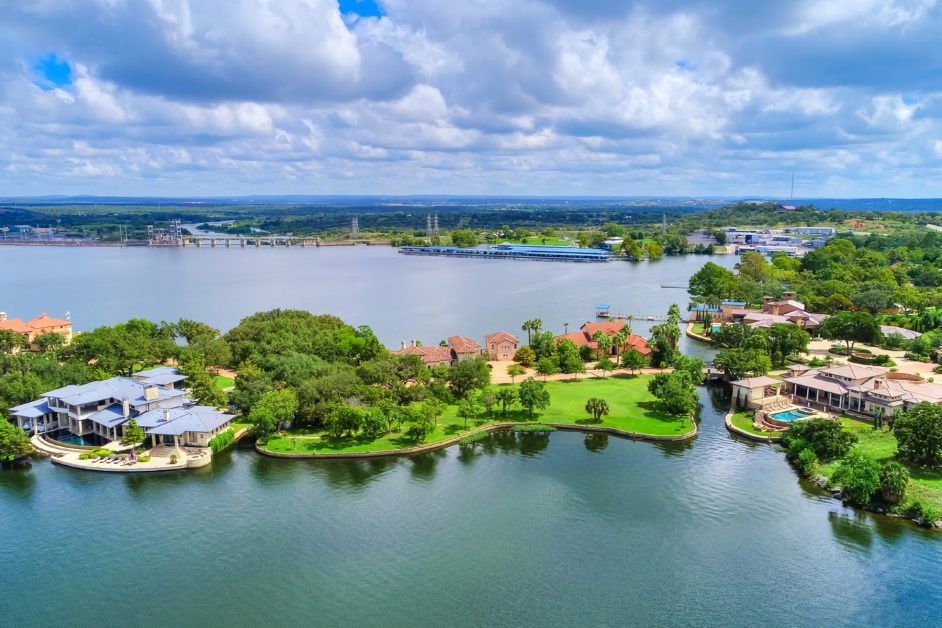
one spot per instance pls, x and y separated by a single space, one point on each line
693 367
597 408
488 399
674 393
525 356
859 477
753 266
468 408
345 420
919 435
603 341
740 363
273 409
605 364
10 341
546 367
851 328
14 443
506 397
133 433
825 437
654 250
740 336
515 371
894 479
543 344
532 325
420 426
633 360
785 339
533 395
50 343
712 284
464 238
569 359
469 375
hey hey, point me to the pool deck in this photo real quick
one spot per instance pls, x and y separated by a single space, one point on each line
187 457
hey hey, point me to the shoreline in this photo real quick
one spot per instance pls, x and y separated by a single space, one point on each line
493 427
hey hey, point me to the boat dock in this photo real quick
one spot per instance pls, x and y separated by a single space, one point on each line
604 311
514 251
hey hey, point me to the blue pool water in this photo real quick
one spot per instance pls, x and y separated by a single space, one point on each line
791 415
90 440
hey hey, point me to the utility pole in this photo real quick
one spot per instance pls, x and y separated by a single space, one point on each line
355 228
428 226
435 226
664 223
791 195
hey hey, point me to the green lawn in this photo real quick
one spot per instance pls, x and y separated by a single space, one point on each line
549 241
224 382
743 420
924 485
630 404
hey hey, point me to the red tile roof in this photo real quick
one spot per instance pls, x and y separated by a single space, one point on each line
584 337
500 336
461 344
15 324
430 355
44 321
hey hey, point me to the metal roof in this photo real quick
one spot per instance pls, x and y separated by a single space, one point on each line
176 421
32 409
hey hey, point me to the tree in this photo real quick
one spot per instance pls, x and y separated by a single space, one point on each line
654 250
420 426
712 283
740 336
273 409
133 433
533 395
674 393
50 343
202 386
543 344
603 341
546 367
11 341
919 435
525 356
605 364
569 359
343 419
506 397
893 481
785 339
597 408
740 363
859 477
374 424
488 399
14 443
515 370
633 360
468 408
825 437
532 325
753 266
693 367
851 328
469 375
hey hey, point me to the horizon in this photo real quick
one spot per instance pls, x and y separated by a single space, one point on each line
394 98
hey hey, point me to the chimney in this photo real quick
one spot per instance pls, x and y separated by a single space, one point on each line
766 300
877 384
151 393
790 295
413 342
3 316
126 408
403 344
44 315
166 414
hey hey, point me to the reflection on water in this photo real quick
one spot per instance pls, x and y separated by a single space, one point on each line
595 441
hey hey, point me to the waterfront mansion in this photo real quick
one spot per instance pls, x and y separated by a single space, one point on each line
98 412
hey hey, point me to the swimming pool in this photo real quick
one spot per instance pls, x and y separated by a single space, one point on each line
89 440
792 415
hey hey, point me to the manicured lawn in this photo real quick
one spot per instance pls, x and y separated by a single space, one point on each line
630 404
549 241
743 420
924 485
224 382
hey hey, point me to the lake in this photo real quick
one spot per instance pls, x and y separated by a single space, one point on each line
563 529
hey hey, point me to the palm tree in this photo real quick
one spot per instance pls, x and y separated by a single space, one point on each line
597 408
603 340
532 325
620 338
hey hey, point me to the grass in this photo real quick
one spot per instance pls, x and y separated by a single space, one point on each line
744 419
224 382
549 241
631 409
924 486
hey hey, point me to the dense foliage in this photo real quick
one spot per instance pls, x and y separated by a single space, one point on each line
824 437
919 435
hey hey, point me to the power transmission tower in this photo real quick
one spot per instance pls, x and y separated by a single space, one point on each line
664 223
355 228
428 226
435 226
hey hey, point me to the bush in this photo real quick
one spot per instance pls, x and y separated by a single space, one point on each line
143 458
893 480
474 438
807 461
930 513
859 477
222 440
533 427
825 437
816 362
919 435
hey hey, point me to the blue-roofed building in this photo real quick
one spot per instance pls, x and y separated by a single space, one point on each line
506 250
98 412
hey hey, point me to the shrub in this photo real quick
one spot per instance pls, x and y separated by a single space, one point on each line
143 458
816 362
859 477
919 435
477 437
825 437
533 427
893 480
222 440
173 458
930 513
807 461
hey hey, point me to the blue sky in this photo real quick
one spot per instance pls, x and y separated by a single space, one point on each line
608 97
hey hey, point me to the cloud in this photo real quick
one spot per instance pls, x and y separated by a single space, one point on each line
416 96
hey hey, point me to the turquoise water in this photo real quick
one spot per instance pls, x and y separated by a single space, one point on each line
524 530
791 415
89 440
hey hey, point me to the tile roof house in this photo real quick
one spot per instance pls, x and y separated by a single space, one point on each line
787 310
100 410
464 348
860 389
501 345
42 324
583 337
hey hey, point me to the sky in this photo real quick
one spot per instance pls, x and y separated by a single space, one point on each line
531 97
